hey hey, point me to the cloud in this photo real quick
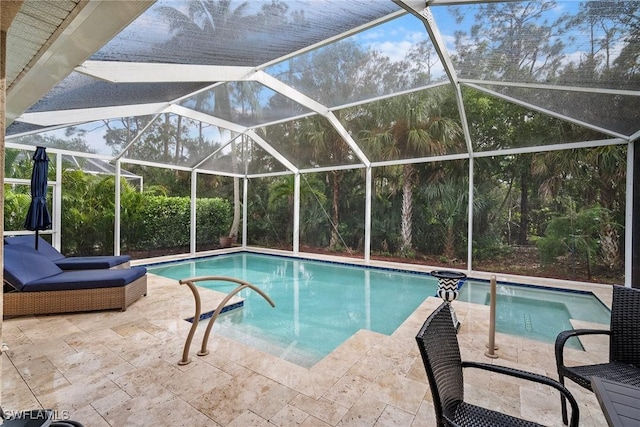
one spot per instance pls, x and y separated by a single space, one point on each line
396 51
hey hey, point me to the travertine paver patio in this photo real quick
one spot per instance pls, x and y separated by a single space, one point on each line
120 369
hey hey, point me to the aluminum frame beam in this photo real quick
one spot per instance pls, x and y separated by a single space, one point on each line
82 34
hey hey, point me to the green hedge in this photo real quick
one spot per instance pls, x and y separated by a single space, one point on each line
163 222
148 222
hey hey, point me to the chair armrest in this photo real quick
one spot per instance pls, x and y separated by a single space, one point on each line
530 376
563 336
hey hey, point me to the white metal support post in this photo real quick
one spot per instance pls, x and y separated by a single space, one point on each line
470 217
192 213
367 214
296 214
116 225
56 238
245 195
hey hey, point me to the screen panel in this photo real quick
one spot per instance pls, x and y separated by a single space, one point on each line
309 142
615 112
570 43
235 33
391 57
245 103
418 124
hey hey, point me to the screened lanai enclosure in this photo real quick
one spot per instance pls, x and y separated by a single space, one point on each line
485 136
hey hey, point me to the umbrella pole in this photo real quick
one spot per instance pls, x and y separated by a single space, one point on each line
36 245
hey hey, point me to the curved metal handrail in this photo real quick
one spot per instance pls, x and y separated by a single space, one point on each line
196 318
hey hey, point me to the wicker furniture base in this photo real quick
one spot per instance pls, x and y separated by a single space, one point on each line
67 301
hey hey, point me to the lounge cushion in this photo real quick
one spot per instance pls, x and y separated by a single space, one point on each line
44 247
28 271
86 279
68 263
91 262
23 265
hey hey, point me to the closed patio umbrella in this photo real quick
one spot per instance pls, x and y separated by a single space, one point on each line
38 217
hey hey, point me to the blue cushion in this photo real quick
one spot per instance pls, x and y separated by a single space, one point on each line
44 248
27 270
23 264
91 262
67 263
86 279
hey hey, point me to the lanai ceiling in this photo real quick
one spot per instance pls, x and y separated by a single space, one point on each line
87 64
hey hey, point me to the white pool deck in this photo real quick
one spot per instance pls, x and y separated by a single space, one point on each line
121 369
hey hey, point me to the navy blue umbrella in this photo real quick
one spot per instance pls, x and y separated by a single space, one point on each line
38 217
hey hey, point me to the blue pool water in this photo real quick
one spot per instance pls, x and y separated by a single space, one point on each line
534 312
320 304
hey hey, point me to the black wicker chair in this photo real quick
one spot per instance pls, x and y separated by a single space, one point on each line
624 346
440 353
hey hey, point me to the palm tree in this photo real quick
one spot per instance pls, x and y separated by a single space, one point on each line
210 20
413 127
449 200
599 177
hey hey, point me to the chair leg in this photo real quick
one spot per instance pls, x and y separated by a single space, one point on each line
563 403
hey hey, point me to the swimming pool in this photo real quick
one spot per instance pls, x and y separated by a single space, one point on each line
535 312
321 304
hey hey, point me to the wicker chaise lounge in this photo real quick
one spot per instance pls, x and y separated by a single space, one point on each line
70 263
38 286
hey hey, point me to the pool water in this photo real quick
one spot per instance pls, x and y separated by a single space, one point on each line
319 305
537 313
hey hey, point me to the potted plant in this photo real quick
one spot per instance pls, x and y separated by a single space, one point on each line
227 241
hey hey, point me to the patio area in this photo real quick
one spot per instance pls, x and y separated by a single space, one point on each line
436 130
120 369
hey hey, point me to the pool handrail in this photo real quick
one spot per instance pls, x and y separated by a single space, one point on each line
196 318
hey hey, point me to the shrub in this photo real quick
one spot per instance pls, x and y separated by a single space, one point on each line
165 221
550 248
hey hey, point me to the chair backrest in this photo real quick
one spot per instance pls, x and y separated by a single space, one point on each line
625 326
23 264
440 353
44 247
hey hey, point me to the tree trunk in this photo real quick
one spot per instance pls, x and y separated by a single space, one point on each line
335 215
449 246
178 144
407 208
167 136
524 208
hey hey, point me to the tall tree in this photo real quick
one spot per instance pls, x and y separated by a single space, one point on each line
513 42
414 128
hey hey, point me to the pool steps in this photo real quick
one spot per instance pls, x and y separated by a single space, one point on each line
225 309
